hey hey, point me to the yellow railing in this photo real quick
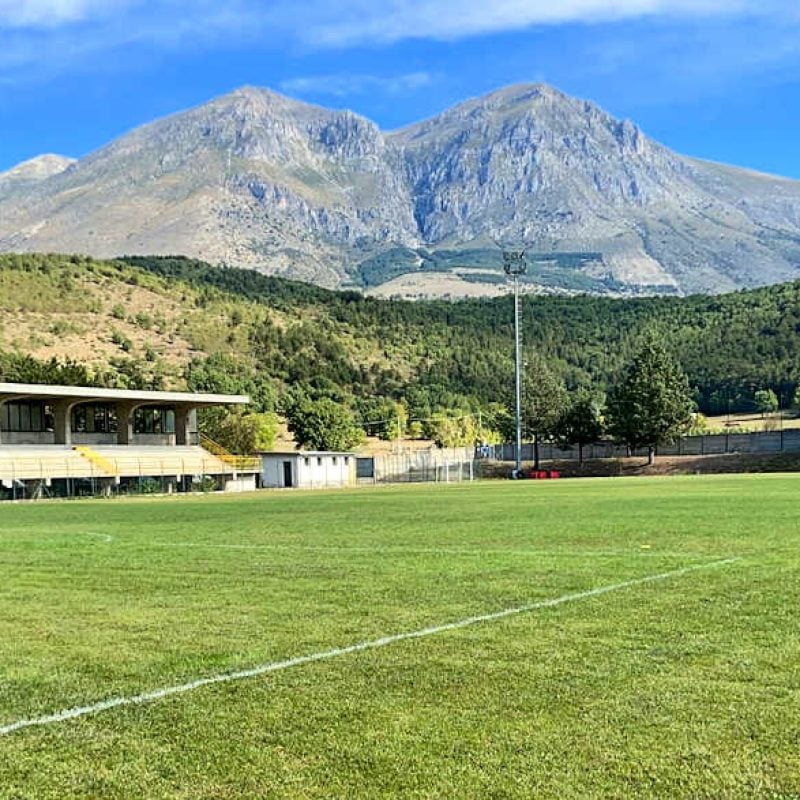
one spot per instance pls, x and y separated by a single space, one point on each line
241 463
96 459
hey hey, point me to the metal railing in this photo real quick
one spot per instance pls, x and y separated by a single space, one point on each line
95 458
239 463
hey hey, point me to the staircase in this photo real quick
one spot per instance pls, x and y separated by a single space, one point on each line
239 463
96 460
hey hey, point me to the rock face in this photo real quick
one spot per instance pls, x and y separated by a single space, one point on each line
257 179
31 172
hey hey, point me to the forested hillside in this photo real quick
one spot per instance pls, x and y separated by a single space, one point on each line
173 322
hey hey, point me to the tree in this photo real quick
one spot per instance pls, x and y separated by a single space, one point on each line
384 417
650 403
581 422
227 374
246 433
447 430
323 425
543 400
398 422
699 425
766 401
415 430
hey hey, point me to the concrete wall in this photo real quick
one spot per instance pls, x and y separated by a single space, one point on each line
18 437
325 470
767 442
272 470
90 439
241 483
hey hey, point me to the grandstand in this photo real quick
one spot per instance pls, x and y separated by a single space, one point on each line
67 440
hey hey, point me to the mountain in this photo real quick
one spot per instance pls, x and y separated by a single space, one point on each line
33 171
260 180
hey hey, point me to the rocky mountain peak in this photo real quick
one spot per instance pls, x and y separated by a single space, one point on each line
37 169
256 178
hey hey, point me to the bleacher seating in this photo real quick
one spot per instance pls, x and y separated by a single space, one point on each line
152 461
40 463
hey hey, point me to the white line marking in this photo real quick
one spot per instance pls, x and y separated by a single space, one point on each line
436 550
60 537
104 536
263 669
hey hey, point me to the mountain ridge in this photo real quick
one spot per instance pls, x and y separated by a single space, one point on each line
258 179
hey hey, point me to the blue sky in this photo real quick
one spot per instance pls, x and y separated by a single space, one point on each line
718 79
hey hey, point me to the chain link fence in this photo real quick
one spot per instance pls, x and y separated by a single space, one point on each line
419 467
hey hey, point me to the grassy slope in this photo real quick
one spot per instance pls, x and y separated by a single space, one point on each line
687 687
71 310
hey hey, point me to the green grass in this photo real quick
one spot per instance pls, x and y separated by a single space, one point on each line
685 687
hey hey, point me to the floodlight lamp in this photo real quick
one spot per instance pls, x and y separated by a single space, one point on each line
514 262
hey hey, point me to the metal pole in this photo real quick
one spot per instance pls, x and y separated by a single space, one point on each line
518 380
514 266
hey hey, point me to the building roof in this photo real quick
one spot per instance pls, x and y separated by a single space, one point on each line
305 453
31 391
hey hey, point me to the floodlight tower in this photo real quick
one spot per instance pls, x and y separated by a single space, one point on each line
514 265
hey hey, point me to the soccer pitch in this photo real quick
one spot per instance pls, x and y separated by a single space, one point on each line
596 638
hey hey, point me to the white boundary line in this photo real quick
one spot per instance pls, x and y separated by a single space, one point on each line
104 536
263 669
646 553
58 537
641 552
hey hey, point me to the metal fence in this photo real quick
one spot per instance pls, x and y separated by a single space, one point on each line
761 443
65 488
427 467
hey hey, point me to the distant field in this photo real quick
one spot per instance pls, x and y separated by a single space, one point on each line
753 422
650 645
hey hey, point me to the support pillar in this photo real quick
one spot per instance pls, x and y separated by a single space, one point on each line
183 415
62 422
125 422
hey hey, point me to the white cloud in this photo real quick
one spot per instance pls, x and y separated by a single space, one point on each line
344 84
345 22
350 22
51 13
75 34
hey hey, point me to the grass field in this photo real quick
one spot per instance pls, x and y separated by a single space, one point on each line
683 682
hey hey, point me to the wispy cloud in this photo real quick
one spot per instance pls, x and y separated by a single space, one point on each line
349 22
345 84
675 62
52 13
75 33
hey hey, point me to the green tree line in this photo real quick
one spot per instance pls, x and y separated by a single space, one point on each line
447 365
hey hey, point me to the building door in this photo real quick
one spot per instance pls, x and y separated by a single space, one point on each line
287 474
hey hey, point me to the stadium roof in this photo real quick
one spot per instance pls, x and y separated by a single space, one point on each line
32 391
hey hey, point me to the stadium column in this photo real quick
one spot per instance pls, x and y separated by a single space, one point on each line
3 401
62 421
183 415
125 422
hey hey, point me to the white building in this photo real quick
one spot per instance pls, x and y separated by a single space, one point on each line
307 470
